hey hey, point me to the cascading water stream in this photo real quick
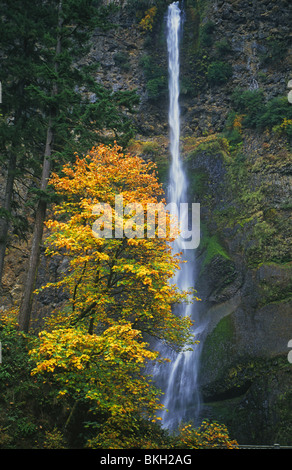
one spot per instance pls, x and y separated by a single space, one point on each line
178 380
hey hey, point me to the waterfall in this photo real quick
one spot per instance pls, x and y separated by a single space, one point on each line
178 380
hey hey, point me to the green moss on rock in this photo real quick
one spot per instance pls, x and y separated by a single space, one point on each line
218 345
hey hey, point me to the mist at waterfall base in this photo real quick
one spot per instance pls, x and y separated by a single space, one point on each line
178 379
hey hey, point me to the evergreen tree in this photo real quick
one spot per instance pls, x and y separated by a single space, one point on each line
60 116
21 31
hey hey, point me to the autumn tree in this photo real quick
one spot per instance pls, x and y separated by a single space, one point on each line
115 278
120 294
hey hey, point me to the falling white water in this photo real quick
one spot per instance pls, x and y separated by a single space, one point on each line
178 381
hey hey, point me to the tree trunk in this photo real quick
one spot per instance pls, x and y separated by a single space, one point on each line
4 221
27 297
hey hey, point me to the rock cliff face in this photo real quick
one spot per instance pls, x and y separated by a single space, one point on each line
241 174
244 187
236 63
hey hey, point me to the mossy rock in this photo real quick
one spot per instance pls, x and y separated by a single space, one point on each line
275 282
218 346
258 410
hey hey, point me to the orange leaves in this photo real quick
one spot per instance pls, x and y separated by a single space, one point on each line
103 269
118 289
104 172
147 22
237 123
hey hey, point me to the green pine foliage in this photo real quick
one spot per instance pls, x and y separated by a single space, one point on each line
219 73
260 113
156 78
40 87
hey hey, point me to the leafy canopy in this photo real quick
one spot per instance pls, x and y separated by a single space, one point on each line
119 294
114 279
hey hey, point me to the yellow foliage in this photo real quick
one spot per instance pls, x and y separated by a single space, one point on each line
283 127
237 123
147 22
99 267
118 289
193 143
210 435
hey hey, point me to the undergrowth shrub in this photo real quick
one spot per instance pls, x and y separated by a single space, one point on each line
219 73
